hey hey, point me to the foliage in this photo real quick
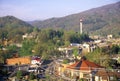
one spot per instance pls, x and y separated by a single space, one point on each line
75 52
27 47
12 28
1 56
65 61
19 74
115 49
78 38
81 79
4 54
12 48
1 47
3 35
99 57
31 75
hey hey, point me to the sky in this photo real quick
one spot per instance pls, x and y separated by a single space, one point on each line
30 10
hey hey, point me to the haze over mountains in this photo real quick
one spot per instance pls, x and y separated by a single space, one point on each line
103 20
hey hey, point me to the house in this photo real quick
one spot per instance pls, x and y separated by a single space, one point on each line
19 60
86 48
35 60
29 36
106 75
110 36
81 69
68 51
75 44
86 70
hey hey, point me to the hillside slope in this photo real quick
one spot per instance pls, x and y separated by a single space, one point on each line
13 28
12 22
103 20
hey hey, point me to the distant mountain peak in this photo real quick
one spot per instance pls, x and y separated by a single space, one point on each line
12 21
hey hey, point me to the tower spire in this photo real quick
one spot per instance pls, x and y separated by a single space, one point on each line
81 26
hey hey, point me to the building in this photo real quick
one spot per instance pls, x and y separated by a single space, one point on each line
29 36
106 75
82 68
35 60
68 51
20 60
110 36
87 70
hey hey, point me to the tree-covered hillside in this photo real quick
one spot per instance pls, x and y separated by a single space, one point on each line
103 20
13 28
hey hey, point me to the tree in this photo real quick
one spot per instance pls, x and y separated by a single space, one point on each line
65 61
1 57
31 75
27 47
99 57
4 35
79 38
115 49
19 74
1 47
4 54
39 49
12 48
75 52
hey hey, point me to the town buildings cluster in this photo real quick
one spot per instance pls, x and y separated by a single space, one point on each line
73 70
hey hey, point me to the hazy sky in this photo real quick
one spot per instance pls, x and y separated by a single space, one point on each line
42 9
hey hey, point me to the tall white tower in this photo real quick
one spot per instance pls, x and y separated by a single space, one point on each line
81 26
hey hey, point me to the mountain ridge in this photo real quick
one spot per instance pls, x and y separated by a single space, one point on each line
11 20
95 21
12 28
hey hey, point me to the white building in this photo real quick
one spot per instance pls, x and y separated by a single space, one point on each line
36 60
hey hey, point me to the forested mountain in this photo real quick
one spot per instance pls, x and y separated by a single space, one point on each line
12 22
102 20
13 28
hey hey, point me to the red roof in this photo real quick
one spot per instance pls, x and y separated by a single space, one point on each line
84 65
36 58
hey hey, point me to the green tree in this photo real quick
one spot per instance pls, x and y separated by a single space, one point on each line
19 74
1 47
75 52
115 49
12 48
4 35
1 57
39 49
65 61
31 75
99 57
27 47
